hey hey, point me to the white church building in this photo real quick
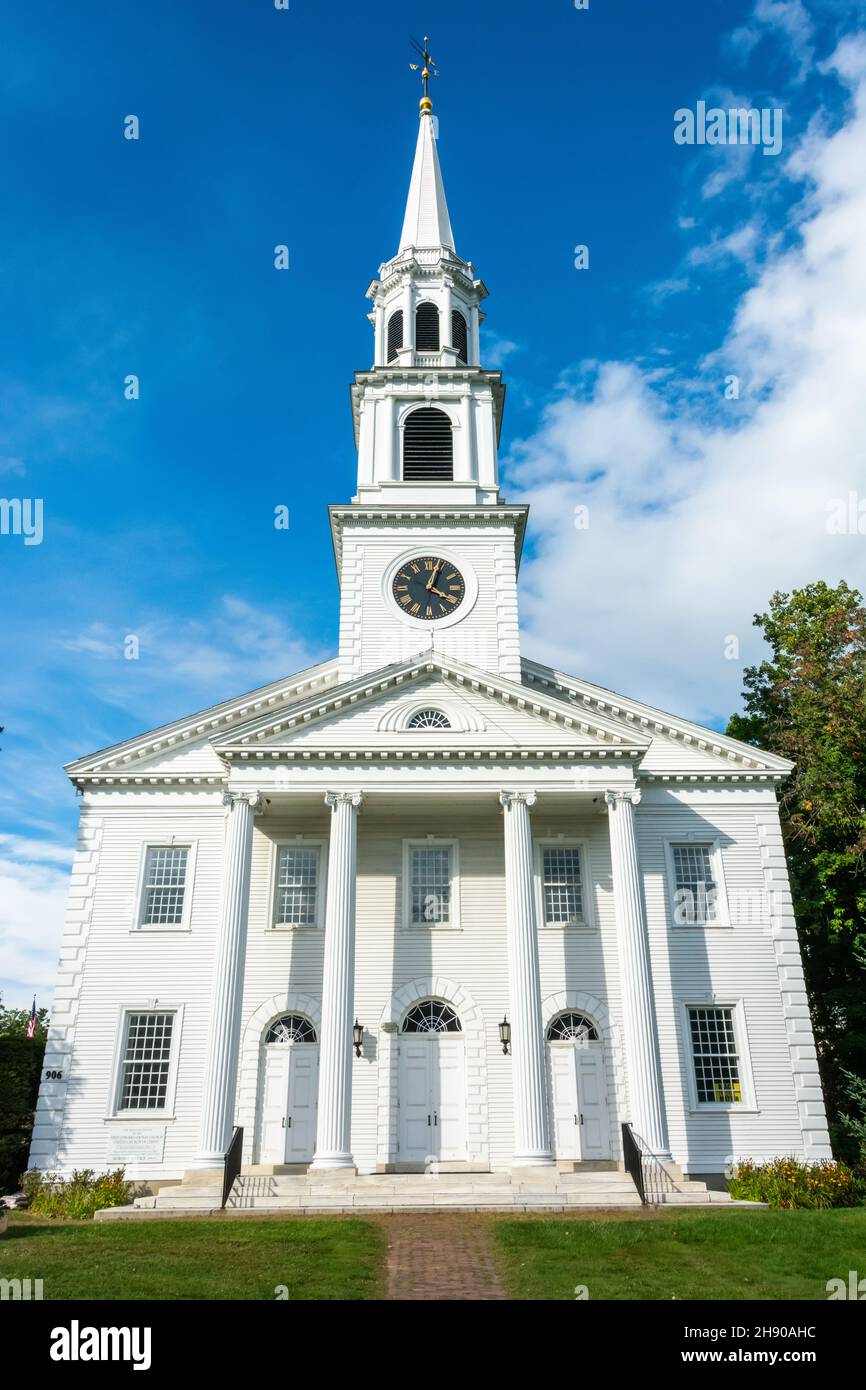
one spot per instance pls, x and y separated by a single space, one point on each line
430 902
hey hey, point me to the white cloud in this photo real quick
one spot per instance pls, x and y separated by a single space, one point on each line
701 507
33 898
785 19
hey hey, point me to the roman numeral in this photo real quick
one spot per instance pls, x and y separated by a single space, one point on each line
405 599
416 608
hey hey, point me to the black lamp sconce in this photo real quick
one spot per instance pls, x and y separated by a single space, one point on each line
358 1037
505 1035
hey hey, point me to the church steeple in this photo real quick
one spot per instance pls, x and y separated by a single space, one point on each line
426 224
427 421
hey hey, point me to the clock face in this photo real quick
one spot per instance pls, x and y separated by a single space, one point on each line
429 588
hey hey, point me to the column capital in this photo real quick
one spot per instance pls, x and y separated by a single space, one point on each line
255 800
508 799
617 797
335 799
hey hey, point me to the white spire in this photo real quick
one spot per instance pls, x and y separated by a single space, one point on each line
426 223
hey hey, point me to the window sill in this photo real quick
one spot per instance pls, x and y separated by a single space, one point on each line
724 1108
569 926
130 1117
702 926
415 927
292 927
160 931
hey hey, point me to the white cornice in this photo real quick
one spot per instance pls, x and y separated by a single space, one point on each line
498 513
655 721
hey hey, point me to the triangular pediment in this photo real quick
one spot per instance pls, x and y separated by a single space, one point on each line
374 712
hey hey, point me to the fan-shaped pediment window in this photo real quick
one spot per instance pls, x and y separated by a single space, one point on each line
572 1027
429 719
431 1016
291 1028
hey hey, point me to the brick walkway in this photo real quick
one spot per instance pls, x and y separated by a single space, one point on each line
447 1256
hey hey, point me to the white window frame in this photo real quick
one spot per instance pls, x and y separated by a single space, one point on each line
298 842
166 842
149 1006
431 842
564 842
723 916
748 1104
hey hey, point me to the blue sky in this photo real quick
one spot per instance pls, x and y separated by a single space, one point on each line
261 126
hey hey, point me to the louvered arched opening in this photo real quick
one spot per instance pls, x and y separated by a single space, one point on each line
459 335
427 327
428 451
395 335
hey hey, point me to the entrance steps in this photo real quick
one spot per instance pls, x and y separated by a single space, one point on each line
527 1190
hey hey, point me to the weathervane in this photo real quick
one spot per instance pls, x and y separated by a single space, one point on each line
429 70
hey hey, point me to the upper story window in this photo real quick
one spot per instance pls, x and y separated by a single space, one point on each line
459 335
427 327
562 886
296 902
431 895
145 1062
695 882
395 335
165 884
428 446
429 719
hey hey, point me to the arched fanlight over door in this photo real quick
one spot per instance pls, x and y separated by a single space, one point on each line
459 335
428 446
427 327
431 1016
572 1027
291 1028
395 335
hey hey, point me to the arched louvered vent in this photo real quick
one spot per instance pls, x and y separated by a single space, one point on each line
427 446
459 338
427 328
395 334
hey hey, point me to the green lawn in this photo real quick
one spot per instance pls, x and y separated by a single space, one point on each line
328 1259
687 1254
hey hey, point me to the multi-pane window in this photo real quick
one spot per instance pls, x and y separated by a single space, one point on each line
144 1067
562 884
164 885
714 1050
429 884
297 886
695 889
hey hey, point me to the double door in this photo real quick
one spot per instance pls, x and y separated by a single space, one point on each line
290 1086
580 1120
432 1099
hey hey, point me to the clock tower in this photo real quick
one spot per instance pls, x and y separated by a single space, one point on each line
427 551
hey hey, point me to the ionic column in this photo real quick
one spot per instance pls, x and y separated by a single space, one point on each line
531 1120
379 348
218 1100
638 1005
408 313
445 325
463 451
334 1125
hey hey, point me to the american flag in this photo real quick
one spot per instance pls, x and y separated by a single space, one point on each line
31 1023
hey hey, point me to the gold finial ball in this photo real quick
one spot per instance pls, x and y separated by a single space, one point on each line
426 106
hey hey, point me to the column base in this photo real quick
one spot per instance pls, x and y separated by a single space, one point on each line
324 1164
209 1161
542 1160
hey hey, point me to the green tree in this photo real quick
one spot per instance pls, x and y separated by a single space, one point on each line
20 1070
807 702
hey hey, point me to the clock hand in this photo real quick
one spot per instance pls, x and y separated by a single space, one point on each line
434 576
439 593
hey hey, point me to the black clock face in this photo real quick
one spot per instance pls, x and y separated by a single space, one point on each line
429 588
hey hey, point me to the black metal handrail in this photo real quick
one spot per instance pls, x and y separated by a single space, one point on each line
232 1163
633 1160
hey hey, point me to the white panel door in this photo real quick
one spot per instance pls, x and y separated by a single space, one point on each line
288 1103
449 1113
592 1101
432 1099
274 1102
416 1099
303 1095
563 1101
578 1099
